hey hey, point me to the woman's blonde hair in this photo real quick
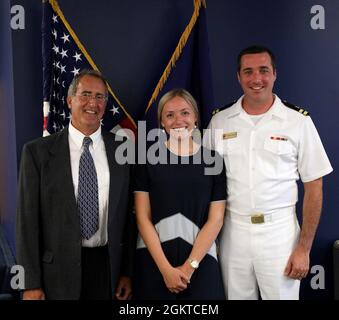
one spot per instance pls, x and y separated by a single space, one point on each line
179 92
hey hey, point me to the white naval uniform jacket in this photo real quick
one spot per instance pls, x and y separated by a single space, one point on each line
264 161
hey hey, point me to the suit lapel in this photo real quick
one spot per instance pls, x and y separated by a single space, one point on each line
116 176
60 169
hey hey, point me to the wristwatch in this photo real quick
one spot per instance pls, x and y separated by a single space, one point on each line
194 263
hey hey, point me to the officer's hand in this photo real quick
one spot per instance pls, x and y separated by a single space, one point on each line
298 264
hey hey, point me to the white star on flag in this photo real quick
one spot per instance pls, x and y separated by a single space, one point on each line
63 53
55 18
65 38
77 56
55 49
63 68
55 34
75 71
114 110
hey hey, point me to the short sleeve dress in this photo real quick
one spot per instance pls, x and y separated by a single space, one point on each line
180 195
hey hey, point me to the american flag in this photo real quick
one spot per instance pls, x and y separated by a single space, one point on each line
64 56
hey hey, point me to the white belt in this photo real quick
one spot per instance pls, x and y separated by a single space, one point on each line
261 217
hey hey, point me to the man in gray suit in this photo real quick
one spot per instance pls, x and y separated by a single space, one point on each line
61 260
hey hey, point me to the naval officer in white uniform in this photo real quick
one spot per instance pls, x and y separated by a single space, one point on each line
267 146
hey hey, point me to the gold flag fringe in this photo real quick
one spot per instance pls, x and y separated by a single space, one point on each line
56 8
177 52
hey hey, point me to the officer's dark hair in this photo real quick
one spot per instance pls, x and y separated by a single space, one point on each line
85 72
256 49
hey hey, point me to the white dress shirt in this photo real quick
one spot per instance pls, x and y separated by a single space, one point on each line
264 160
98 152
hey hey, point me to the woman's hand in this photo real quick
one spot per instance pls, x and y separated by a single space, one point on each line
187 270
175 279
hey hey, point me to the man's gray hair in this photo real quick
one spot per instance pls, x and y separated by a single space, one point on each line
85 72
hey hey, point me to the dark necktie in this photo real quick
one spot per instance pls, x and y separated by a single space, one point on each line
88 200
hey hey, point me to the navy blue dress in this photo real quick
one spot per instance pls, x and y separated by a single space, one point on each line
180 195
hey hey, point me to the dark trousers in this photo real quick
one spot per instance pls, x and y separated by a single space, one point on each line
96 278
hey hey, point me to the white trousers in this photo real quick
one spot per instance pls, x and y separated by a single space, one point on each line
254 256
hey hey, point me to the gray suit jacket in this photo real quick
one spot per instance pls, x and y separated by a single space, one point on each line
48 230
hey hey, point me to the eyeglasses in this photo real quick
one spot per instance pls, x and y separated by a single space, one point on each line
86 96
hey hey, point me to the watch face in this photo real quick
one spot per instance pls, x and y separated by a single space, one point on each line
194 264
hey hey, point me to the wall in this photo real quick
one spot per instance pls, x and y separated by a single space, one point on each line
8 160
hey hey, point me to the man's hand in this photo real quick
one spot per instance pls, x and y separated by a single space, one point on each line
124 289
34 294
298 263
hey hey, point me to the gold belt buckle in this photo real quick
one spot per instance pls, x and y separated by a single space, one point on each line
258 218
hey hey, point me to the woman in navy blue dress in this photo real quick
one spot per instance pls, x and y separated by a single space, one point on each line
179 211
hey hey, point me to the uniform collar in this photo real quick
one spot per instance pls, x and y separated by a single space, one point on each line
277 110
237 109
78 137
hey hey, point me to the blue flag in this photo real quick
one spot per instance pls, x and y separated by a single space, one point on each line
64 56
188 68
